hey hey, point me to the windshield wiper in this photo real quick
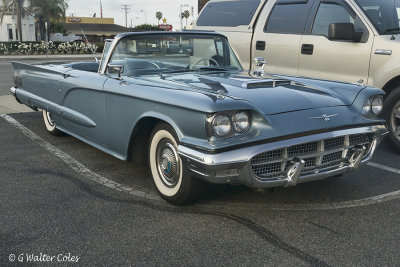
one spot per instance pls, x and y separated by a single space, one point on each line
391 30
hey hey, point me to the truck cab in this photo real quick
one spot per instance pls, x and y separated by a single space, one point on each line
353 41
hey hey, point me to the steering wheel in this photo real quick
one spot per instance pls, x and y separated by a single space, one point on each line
191 66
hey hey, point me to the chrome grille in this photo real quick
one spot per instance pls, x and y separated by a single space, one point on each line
302 149
321 155
334 143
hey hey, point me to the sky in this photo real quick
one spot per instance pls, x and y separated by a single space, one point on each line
113 9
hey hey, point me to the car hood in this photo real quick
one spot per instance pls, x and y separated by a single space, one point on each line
269 94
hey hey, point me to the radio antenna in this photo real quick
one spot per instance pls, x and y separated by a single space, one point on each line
90 47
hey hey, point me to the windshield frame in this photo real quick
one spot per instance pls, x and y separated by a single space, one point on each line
122 36
374 23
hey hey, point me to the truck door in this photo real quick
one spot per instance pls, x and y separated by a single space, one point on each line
277 35
324 58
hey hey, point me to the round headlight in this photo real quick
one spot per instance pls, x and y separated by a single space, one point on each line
241 122
366 108
221 125
377 105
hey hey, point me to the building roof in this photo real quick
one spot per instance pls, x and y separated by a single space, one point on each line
94 29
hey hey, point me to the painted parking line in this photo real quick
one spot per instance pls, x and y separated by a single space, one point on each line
84 171
383 167
76 165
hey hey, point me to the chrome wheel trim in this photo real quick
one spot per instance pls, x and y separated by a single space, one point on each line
154 143
167 163
395 120
50 119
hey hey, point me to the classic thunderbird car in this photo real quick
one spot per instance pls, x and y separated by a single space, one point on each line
197 116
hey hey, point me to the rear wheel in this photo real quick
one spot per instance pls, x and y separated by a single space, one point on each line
50 124
172 182
391 113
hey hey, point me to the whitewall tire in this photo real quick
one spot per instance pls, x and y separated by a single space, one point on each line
171 180
50 123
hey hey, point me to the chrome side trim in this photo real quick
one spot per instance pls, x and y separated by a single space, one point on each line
35 102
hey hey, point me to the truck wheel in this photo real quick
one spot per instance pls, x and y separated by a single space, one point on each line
172 182
50 124
391 113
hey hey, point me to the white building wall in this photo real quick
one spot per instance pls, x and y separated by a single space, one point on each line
28 28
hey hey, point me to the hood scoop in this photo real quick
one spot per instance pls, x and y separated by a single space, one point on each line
265 83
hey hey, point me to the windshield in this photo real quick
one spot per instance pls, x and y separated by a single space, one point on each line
146 54
384 14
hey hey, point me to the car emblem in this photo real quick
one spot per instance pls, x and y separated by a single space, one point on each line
325 117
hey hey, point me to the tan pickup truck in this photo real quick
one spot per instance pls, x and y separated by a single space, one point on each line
355 41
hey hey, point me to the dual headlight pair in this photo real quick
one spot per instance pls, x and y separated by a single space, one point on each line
228 123
373 106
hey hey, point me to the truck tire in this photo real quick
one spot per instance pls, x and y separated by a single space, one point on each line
171 180
391 113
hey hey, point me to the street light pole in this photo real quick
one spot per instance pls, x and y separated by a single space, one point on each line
145 15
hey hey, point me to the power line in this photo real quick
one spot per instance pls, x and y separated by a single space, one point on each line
126 8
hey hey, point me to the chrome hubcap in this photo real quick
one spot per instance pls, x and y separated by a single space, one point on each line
50 119
167 163
395 120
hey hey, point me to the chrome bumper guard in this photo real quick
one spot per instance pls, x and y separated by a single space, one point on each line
235 166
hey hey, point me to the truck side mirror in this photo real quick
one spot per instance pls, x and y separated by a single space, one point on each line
344 32
114 68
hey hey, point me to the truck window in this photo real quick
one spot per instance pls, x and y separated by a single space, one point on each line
287 17
228 13
328 14
384 15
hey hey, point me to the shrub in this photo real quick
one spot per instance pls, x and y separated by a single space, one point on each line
32 48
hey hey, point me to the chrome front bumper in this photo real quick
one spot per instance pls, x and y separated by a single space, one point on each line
235 166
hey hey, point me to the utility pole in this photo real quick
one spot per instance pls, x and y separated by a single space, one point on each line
126 9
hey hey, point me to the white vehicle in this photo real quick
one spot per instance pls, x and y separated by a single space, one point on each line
354 41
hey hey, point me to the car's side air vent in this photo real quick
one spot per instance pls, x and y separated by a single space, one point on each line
265 83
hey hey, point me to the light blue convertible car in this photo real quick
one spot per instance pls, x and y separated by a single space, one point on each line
195 116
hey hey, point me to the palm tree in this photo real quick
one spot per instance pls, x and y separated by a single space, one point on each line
51 11
186 15
14 7
159 16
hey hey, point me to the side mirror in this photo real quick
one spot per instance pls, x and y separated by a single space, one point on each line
344 32
114 68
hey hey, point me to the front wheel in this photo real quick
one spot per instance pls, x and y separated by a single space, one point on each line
391 113
50 124
172 182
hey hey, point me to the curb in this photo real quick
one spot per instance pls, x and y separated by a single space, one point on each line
49 57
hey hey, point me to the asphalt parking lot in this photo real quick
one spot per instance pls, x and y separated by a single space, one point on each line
65 199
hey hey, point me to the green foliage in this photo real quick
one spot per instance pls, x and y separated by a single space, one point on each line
37 48
185 15
159 15
146 27
58 27
100 47
50 11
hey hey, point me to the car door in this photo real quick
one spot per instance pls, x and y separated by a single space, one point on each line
278 34
341 60
83 105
